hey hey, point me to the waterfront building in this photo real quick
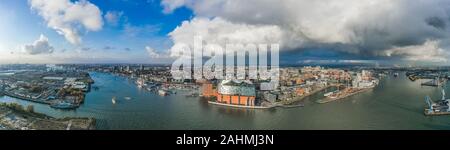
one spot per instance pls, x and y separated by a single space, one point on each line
364 80
236 92
208 90
300 91
270 96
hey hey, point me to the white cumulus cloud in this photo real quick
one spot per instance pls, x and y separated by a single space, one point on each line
40 46
222 32
68 18
153 53
113 17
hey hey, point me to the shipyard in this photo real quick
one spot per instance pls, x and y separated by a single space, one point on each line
440 107
51 86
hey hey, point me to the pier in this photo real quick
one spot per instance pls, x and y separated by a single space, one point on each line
434 82
427 112
341 96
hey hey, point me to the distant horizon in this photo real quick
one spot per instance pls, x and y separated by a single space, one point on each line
281 65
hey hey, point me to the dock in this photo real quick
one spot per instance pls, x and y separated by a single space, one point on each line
258 107
26 98
427 112
327 99
440 107
434 82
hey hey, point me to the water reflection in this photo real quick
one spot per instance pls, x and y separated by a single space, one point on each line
236 112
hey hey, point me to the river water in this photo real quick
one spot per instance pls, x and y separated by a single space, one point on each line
396 103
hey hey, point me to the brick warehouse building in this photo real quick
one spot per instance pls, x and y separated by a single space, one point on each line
236 92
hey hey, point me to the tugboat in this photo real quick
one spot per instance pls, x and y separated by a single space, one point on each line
63 105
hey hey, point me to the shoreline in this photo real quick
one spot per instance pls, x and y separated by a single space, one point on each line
240 106
256 107
328 100
300 98
25 98
14 116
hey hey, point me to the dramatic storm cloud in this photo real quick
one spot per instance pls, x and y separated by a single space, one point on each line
408 29
68 18
40 46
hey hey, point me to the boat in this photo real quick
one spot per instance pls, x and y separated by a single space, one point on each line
333 96
412 78
114 100
163 92
328 94
140 82
128 98
63 105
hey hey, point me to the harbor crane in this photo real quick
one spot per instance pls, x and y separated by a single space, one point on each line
430 104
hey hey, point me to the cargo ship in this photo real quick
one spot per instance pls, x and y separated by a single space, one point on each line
441 107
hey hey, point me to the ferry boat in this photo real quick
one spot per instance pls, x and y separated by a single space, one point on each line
333 95
63 105
328 94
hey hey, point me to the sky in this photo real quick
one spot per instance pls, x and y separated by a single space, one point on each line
408 32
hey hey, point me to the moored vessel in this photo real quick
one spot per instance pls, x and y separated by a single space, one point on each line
63 105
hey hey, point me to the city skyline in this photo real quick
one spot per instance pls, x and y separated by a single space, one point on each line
144 31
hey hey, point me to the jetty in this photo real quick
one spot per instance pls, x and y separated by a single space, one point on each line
341 94
434 82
